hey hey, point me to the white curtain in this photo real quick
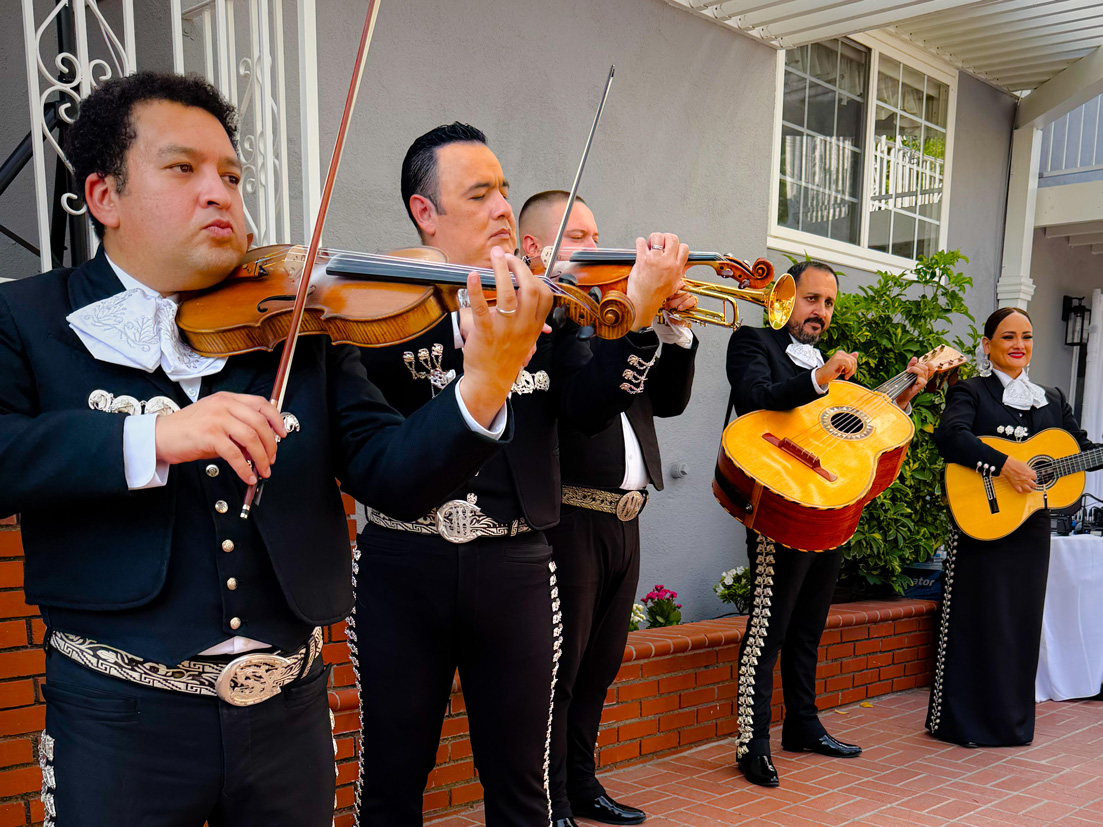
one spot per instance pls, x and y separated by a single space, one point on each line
1092 419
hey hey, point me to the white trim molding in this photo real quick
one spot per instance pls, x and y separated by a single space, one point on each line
1015 287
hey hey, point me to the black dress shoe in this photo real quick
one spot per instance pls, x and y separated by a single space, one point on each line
607 811
564 822
824 745
759 769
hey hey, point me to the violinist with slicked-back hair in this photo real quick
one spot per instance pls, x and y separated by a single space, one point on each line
470 585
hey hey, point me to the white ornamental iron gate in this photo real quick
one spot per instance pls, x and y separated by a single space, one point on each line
245 62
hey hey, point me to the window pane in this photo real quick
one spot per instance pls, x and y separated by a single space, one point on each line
792 105
850 121
797 58
788 204
824 62
880 229
845 221
816 209
821 109
928 239
852 69
911 92
792 153
903 235
938 102
888 82
883 187
933 163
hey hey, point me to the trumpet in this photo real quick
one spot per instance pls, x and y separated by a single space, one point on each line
777 297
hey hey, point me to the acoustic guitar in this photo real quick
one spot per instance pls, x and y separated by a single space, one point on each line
986 507
802 477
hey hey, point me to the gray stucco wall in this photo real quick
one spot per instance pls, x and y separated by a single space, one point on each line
685 145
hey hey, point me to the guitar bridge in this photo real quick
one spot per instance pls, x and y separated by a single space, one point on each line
802 455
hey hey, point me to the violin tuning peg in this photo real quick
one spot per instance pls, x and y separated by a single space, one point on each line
568 278
586 332
559 317
595 294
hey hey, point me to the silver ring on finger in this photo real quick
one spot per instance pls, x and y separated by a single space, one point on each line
658 247
505 312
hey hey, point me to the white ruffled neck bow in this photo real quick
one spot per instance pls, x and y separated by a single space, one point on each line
137 329
804 355
1020 393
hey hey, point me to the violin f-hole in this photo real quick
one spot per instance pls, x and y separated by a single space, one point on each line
261 308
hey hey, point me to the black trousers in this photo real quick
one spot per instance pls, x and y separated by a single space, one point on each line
598 564
115 753
425 608
793 595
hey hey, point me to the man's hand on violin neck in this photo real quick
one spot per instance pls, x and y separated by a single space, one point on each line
235 426
841 364
657 275
501 339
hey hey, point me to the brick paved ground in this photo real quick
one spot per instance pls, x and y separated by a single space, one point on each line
904 777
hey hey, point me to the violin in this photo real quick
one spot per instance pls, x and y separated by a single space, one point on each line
370 300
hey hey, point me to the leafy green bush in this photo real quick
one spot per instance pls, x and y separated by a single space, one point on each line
887 323
735 588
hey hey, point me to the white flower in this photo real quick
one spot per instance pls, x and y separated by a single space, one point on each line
639 614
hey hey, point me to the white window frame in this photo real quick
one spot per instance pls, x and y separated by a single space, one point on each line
801 244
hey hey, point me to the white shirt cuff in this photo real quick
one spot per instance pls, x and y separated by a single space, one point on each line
816 385
497 427
143 470
457 337
673 334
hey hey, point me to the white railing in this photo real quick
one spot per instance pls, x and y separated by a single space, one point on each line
83 73
246 63
904 178
1074 142
248 66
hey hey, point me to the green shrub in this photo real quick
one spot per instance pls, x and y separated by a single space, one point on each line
887 323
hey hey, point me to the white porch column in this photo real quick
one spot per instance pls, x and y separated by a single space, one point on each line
1015 287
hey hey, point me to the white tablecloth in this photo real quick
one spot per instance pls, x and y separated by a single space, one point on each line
1071 659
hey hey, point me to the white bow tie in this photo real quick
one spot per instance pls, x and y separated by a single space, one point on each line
1022 394
805 355
137 330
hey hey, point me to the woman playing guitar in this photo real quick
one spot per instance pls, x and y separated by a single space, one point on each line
983 693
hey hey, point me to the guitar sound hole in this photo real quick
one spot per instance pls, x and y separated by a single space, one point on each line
847 423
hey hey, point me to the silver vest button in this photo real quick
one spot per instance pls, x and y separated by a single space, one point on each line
235 623
227 545
221 507
212 470
231 584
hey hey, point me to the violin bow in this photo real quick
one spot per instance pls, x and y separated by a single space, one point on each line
279 387
578 176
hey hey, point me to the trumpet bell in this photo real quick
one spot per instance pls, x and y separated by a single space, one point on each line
777 298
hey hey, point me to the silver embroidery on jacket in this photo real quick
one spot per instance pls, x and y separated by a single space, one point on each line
430 360
637 377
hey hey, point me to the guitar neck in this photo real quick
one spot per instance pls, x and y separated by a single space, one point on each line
1076 463
896 385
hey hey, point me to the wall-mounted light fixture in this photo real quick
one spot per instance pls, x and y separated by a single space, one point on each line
1077 319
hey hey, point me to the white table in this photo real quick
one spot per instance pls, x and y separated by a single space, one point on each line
1070 664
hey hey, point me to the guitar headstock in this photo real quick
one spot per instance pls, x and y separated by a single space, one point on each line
944 362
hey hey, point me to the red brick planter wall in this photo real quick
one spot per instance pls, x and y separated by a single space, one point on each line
675 690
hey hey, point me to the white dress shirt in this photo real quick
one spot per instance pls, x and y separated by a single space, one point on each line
635 471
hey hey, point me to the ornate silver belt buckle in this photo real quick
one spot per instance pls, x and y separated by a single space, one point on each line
456 521
629 506
251 679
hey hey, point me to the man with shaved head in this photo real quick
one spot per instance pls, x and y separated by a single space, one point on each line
596 546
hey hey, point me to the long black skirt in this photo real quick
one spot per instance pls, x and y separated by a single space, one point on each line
989 637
